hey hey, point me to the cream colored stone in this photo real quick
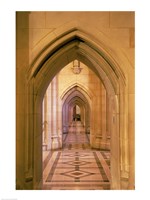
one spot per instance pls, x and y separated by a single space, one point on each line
121 37
20 87
37 20
22 58
56 19
132 81
130 54
108 48
36 35
22 19
22 40
132 37
122 19
131 104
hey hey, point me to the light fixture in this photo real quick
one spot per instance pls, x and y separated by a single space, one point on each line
76 67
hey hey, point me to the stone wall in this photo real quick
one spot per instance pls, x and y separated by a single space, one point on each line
88 82
104 41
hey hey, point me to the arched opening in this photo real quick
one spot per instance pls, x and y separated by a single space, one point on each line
75 96
76 102
76 45
76 113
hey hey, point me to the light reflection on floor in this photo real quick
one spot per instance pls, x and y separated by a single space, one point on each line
76 166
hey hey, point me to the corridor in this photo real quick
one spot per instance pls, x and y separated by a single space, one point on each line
76 166
73 68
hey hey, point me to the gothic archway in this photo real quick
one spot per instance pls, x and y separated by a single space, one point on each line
70 45
76 93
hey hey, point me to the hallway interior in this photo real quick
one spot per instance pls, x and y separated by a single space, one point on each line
76 166
75 95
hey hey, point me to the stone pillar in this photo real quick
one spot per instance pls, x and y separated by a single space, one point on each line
49 117
96 134
131 143
103 117
55 116
54 136
87 119
83 121
37 142
24 119
64 119
58 115
67 123
124 142
108 120
115 144
44 124
70 114
99 113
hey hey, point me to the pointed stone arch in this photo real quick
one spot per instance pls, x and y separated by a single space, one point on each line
76 93
91 47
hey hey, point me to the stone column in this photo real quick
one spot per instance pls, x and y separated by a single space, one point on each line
49 117
131 143
64 119
56 129
54 136
44 124
65 116
115 143
82 114
108 120
67 123
58 115
70 114
103 117
96 121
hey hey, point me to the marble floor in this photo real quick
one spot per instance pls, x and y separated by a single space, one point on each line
76 166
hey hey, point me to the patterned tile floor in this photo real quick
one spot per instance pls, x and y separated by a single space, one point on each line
76 166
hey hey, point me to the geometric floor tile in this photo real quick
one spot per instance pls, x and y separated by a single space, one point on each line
76 166
76 174
76 154
76 163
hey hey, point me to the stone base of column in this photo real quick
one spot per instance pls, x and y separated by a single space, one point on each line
96 141
65 129
100 144
124 180
104 145
124 183
56 143
44 147
87 130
